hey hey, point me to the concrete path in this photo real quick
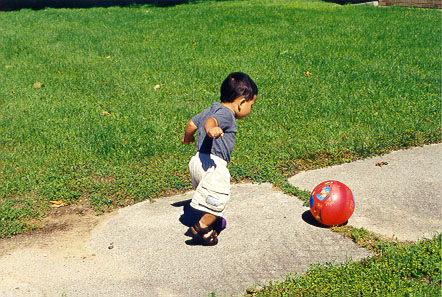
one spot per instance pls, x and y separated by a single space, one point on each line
143 251
400 199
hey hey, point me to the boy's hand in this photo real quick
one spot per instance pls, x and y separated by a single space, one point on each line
187 140
215 132
189 133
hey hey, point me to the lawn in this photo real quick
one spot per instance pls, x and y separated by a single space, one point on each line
398 269
93 102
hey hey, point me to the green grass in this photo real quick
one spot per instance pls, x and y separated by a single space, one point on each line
398 269
98 131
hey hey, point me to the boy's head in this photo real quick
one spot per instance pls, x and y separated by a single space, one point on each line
236 85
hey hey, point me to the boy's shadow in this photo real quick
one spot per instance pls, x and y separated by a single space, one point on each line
190 216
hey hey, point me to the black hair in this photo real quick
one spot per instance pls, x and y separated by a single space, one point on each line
238 84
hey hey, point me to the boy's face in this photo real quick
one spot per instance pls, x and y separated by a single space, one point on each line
245 107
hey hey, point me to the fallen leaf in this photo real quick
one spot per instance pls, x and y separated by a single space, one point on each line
108 57
251 291
107 112
382 163
57 203
170 93
307 73
12 93
194 43
9 66
158 86
38 85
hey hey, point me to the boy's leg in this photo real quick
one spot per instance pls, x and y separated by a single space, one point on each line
213 190
219 225
212 181
202 230
207 220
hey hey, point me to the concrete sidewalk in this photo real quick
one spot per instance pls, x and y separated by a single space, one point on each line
400 199
143 250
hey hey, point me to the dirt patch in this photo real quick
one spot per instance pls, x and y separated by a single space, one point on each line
62 230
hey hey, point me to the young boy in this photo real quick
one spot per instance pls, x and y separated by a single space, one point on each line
216 128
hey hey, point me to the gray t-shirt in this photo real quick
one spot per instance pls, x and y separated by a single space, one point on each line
220 146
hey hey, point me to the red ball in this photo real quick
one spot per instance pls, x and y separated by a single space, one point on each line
332 203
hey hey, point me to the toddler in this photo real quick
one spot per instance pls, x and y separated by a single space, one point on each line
216 128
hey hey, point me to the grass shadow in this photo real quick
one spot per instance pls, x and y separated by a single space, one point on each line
10 5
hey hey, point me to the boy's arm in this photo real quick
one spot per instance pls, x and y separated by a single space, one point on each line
189 132
212 128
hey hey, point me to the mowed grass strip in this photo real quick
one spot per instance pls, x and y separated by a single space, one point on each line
398 269
93 102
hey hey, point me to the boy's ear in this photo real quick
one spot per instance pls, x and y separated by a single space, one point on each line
241 101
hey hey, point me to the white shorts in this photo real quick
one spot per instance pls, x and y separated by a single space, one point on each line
211 181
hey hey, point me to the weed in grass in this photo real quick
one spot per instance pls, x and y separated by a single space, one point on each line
360 236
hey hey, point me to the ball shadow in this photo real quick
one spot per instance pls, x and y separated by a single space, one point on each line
309 219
